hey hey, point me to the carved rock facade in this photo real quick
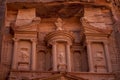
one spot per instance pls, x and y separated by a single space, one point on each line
60 40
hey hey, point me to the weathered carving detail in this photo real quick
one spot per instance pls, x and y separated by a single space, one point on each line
24 55
61 52
60 42
84 21
61 58
99 63
99 54
61 55
99 58
59 24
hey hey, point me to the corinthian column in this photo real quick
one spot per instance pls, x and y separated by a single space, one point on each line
68 58
108 57
90 59
54 53
14 62
33 54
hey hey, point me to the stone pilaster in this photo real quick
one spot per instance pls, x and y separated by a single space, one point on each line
14 62
108 59
90 59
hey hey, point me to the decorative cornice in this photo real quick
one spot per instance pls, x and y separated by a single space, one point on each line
60 35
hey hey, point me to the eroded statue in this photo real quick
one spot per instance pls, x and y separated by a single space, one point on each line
59 24
61 58
24 56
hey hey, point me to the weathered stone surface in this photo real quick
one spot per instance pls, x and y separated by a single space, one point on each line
25 17
60 40
3 69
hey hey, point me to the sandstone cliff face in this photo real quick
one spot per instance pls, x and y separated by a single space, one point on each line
3 68
116 13
2 18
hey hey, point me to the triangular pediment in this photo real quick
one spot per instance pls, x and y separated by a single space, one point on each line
60 77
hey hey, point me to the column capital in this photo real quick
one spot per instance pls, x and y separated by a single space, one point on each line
106 42
88 42
52 43
33 40
69 43
15 39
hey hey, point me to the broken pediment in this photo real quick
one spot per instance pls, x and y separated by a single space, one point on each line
89 29
95 30
26 28
26 20
25 16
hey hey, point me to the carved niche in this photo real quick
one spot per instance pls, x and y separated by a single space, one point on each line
44 59
24 54
61 53
99 57
62 39
77 61
25 30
